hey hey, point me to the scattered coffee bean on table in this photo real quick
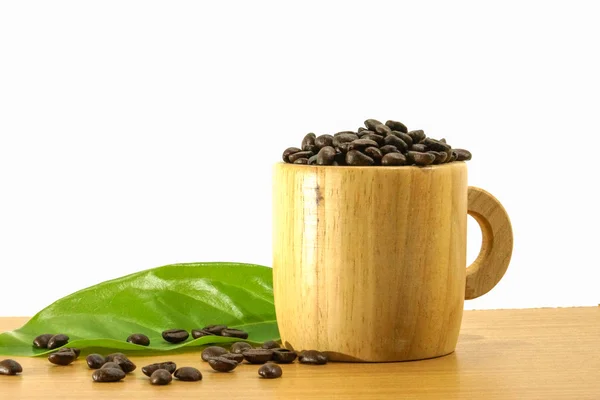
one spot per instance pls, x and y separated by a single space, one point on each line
161 377
240 347
212 352
222 364
167 365
139 338
188 374
111 364
95 361
112 356
270 371
57 341
125 364
41 342
271 344
108 375
63 357
238 358
369 147
312 357
175 335
10 367
284 356
258 356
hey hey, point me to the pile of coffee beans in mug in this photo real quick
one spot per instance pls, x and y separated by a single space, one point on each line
389 144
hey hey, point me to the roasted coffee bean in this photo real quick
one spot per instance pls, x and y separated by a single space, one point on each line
396 142
344 138
161 377
237 333
240 347
396 126
439 156
198 333
442 140
374 153
388 148
374 137
325 157
64 357
312 160
10 367
212 352
419 147
435 145
57 341
298 161
312 357
462 154
270 371
361 129
108 375
111 357
125 364
175 335
361 144
344 133
292 158
258 356
357 158
74 349
344 147
284 356
270 344
383 130
420 158
453 156
405 138
289 151
323 141
167 365
308 143
95 361
371 124
111 364
139 339
188 374
392 159
41 342
364 132
340 157
417 135
222 364
238 358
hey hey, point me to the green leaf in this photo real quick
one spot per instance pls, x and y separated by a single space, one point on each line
182 296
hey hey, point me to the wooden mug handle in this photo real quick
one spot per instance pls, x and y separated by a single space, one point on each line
497 243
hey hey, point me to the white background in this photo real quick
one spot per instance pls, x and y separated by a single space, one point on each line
137 134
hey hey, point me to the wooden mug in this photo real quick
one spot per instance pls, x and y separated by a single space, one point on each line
369 263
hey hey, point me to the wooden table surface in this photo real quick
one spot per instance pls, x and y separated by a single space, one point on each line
502 354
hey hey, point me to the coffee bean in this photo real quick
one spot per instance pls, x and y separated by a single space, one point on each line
175 335
344 138
392 159
435 145
326 156
167 365
258 356
10 367
361 144
340 157
308 143
374 153
462 154
270 371
371 124
188 374
374 137
237 333
240 347
161 377
323 141
312 160
361 129
417 135
292 158
289 151
344 147
222 364
364 132
212 352
57 341
270 344
357 158
284 356
453 156
344 133
111 357
125 364
298 161
405 138
64 357
41 342
420 158
396 126
419 147
139 339
198 333
439 156
95 361
442 140
388 148
75 350
312 357
238 358
110 364
397 142
383 130
108 375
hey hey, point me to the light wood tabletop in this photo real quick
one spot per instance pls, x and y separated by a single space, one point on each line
501 354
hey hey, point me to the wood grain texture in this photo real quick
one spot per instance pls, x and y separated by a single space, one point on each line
501 354
369 263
